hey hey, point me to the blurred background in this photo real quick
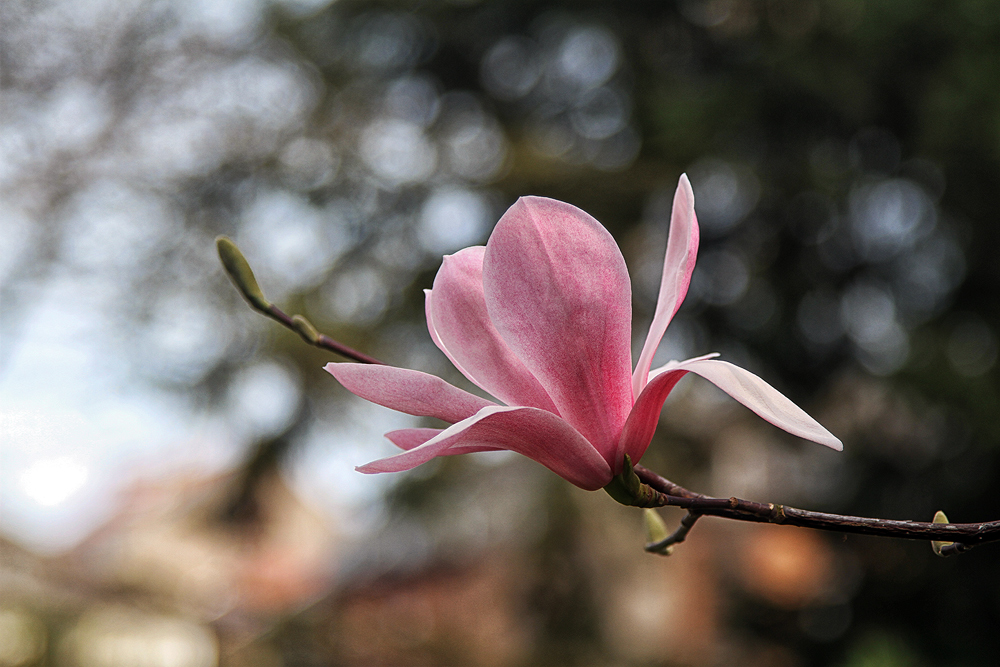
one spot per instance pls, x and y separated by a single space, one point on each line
176 473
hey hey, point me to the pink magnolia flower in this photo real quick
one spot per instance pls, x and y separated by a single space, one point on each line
541 319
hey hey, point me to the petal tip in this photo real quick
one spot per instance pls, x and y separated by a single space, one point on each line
684 188
526 205
538 204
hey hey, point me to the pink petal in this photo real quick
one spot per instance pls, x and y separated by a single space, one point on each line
645 415
678 265
537 434
408 438
558 292
408 391
741 384
461 328
759 396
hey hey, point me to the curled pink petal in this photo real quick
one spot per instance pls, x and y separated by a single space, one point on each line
678 265
408 438
759 396
558 292
462 329
408 391
537 434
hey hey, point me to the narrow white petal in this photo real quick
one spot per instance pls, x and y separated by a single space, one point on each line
759 396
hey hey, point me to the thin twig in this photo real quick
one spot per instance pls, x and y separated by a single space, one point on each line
964 536
664 546
241 274
301 326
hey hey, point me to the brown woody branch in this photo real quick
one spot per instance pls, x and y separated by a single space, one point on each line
308 333
963 536
654 490
664 547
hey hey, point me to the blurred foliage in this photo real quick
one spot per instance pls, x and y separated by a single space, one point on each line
845 158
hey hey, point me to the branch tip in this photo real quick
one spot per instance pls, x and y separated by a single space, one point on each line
241 274
665 545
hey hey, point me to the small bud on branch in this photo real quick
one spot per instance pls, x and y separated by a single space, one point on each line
242 276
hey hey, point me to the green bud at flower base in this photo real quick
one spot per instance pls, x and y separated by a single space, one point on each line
627 489
240 272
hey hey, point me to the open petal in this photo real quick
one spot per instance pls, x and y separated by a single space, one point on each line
760 397
408 438
558 292
645 415
741 384
408 391
462 329
537 434
678 265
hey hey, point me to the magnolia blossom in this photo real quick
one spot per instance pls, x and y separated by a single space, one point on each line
540 318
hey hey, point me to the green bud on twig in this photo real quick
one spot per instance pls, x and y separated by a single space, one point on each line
305 329
241 274
939 517
656 529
